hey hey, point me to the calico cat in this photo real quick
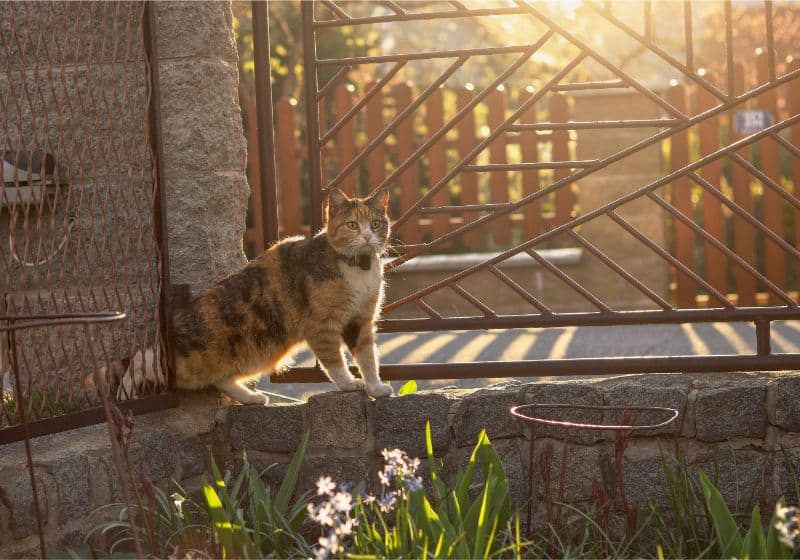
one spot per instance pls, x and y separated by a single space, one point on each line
325 291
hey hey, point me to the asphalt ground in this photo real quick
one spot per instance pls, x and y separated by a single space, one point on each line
555 343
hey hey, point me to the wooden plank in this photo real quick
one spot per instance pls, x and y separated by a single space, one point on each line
376 160
408 180
773 205
254 234
715 261
682 199
472 240
529 147
345 148
288 167
793 106
744 235
500 228
437 162
559 112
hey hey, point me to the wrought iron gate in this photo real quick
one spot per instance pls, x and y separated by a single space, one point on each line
661 197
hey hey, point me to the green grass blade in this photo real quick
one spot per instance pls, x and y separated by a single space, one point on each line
290 480
222 523
730 541
754 544
408 388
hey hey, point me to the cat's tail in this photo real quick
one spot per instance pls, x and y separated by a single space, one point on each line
134 377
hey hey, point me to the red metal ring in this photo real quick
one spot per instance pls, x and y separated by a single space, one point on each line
516 412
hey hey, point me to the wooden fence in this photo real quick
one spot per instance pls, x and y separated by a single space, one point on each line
767 189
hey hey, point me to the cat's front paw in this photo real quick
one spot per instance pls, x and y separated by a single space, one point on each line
255 397
354 384
379 390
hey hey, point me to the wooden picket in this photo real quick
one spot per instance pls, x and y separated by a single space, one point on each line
498 181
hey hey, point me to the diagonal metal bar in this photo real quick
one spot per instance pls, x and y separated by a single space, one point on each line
580 86
375 142
786 144
486 51
337 11
420 16
647 42
661 252
624 76
766 180
394 7
323 91
524 294
430 311
465 110
487 311
376 87
531 165
564 277
605 209
579 125
489 139
631 279
642 144
713 241
744 214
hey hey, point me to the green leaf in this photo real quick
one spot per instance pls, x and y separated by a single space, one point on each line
290 480
730 541
754 544
222 523
408 388
439 488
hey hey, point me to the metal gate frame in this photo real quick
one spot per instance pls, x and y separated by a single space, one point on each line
677 122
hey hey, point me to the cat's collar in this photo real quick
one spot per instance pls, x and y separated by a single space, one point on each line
361 260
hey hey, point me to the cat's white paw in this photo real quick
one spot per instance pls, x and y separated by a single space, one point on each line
255 398
379 390
354 384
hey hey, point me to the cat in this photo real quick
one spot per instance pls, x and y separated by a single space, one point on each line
325 291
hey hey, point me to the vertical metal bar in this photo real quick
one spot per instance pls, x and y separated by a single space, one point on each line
763 347
156 145
770 39
688 34
266 138
729 46
21 409
312 116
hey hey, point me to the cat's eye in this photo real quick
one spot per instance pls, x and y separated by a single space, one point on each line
352 225
376 224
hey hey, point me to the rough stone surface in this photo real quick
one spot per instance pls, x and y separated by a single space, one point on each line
400 422
16 494
786 474
193 457
72 482
487 409
582 468
347 470
337 419
737 410
666 391
784 410
195 29
644 482
277 428
739 475
570 393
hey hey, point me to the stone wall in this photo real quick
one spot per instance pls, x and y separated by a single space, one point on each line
746 426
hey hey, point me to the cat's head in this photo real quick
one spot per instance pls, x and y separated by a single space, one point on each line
358 225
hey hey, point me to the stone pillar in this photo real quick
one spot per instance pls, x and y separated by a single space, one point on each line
204 144
614 181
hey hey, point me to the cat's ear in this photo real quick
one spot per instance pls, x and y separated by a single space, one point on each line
336 199
379 200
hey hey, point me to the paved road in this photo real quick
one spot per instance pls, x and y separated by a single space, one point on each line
558 343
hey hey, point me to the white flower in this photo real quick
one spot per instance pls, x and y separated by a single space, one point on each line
178 500
342 502
325 486
387 502
788 525
322 514
413 483
386 476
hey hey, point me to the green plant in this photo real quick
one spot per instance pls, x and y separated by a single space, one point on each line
730 542
238 517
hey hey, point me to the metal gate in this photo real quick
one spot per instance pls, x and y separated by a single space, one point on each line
582 68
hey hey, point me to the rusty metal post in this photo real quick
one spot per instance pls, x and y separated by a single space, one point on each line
312 117
155 141
266 137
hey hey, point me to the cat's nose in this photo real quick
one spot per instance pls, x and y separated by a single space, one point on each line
367 235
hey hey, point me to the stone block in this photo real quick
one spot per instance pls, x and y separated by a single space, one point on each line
193 457
784 402
153 454
202 122
343 470
739 475
187 29
400 422
278 428
786 474
645 483
16 494
736 410
337 419
572 393
71 476
666 391
581 470
486 409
